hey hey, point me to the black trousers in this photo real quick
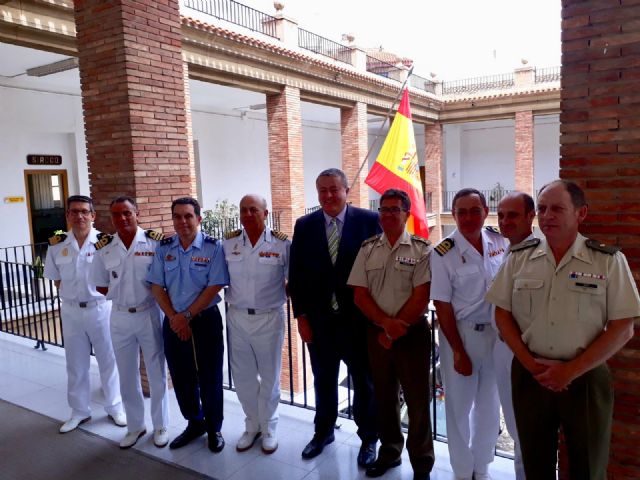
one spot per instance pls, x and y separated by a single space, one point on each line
337 337
197 380
584 412
406 364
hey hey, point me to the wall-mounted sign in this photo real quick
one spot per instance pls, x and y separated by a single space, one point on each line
13 199
44 159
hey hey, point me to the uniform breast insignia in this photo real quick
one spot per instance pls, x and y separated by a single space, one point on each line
420 239
601 247
167 240
492 230
279 235
444 246
61 237
534 242
269 254
406 261
232 234
200 259
143 254
153 235
371 239
104 239
494 253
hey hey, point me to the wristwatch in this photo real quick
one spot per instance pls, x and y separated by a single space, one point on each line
187 315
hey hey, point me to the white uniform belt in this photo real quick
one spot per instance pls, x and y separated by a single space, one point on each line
88 304
254 311
478 327
138 308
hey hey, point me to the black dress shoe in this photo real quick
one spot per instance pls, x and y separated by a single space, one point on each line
190 433
421 476
367 454
316 445
216 442
380 468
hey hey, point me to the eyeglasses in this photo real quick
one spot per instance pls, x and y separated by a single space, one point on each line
84 212
391 210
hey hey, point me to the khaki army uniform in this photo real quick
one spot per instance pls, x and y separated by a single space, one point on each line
561 310
390 274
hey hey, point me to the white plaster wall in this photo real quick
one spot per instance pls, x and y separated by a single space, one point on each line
546 141
34 122
480 154
321 149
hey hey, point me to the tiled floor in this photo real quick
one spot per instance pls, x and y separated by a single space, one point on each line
37 380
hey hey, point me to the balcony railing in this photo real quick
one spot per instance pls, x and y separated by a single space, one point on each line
428 196
236 13
472 85
422 83
323 46
380 67
549 74
493 197
218 227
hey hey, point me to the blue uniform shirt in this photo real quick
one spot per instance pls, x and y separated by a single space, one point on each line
186 273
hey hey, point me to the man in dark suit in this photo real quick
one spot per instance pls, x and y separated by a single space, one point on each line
325 245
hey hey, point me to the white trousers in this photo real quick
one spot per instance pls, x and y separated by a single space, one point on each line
471 403
83 327
255 348
502 358
130 332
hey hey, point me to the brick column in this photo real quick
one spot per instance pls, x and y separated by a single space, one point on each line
284 125
131 74
433 140
353 127
600 146
524 152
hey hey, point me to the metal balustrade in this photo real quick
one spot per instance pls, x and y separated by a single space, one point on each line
323 46
236 13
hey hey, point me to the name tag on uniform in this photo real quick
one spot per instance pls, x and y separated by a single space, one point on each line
269 255
144 254
406 260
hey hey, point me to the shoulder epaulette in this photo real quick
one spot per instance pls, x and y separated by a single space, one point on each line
601 247
104 239
492 229
444 246
167 240
534 242
279 235
209 238
232 234
61 237
153 235
420 239
371 239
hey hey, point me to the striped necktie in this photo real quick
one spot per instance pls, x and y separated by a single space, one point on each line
334 242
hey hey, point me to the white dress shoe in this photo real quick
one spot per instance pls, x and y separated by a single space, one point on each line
247 440
131 438
160 437
72 424
119 419
269 443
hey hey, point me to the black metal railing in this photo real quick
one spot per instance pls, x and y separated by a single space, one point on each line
27 253
380 67
323 46
311 209
547 74
236 13
29 303
493 197
218 227
471 85
428 203
422 83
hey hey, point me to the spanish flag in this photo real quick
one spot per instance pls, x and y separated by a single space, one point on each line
397 167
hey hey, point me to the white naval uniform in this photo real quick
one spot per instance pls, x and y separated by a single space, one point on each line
85 322
461 277
124 272
257 283
502 359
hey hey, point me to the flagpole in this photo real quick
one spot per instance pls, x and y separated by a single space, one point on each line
391 108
